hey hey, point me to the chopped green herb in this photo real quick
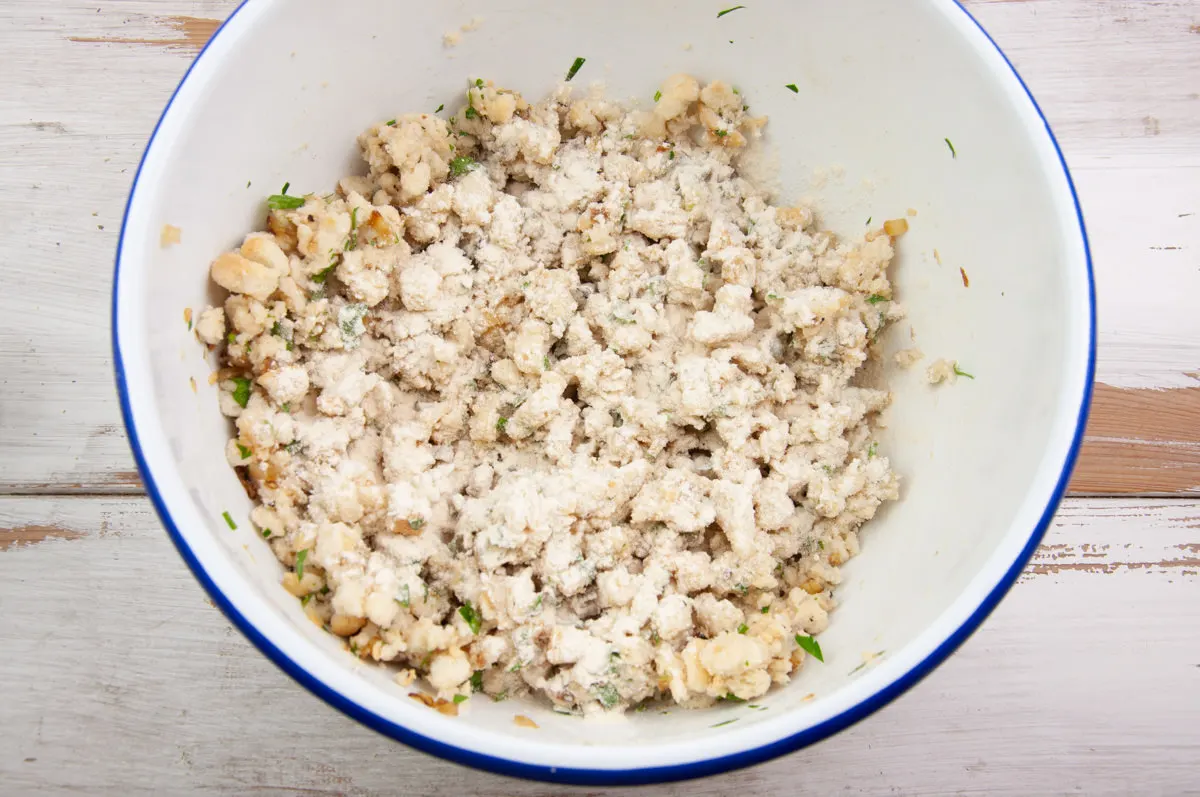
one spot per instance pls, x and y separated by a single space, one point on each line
730 697
245 452
304 601
287 405
324 273
766 609
617 419
773 295
792 88
871 449
657 96
391 123
622 320
405 600
440 107
671 155
721 133
575 67
821 544
468 613
742 589
537 604
728 11
350 321
875 298
743 628
324 590
282 201
726 722
461 165
229 521
869 220
266 533
608 695
953 154
241 390
477 681
810 646
300 557
294 447
470 113
416 522
459 699
501 424
545 363
961 372
231 337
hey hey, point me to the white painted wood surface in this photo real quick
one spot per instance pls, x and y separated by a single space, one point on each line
120 677
117 676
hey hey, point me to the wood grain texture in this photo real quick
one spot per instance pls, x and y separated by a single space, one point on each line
120 677
83 85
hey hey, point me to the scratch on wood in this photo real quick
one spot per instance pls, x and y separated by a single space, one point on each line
196 33
33 534
1141 441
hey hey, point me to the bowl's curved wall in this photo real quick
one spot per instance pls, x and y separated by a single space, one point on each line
280 95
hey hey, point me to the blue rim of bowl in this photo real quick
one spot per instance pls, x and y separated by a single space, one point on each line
644 775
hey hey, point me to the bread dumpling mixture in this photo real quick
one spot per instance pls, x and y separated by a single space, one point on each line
555 401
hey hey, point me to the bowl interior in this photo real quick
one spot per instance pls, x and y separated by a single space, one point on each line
284 89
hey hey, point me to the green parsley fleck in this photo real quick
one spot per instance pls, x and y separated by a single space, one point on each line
741 589
726 722
773 295
869 220
960 372
871 449
470 113
282 201
231 337
477 681
501 424
743 628
404 601
304 601
241 390
821 544
324 273
440 108
294 447
730 697
266 534
461 165
229 521
810 646
459 699
300 557
537 604
766 609
416 522
608 695
391 123
721 133
657 96
671 155
792 88
728 11
474 621
953 154
875 298
245 452
575 67
545 363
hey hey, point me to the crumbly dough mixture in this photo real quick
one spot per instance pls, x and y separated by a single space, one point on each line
555 401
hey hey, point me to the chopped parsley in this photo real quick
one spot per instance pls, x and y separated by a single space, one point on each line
545 363
404 601
875 298
871 449
229 521
721 14
350 321
440 107
721 133
304 601
501 424
241 390
743 628
245 452
300 557
766 609
282 201
266 533
792 88
657 96
810 646
459 699
391 123
726 722
575 67
477 681
953 154
960 372
478 82
474 621
416 522
730 697
869 220
461 165
608 695
671 155
324 273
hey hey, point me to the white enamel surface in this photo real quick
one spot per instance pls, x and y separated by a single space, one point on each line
284 89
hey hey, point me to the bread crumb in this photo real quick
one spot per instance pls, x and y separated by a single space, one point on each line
907 358
911 211
170 235
192 382
966 280
187 316
524 721
942 371
405 677
451 38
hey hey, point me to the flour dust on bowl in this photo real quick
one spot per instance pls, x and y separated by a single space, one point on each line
875 113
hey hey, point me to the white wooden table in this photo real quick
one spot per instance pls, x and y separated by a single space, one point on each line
118 676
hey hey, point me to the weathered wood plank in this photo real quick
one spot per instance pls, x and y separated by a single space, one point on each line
1084 681
1115 78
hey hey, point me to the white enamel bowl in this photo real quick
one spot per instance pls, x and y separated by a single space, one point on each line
280 94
